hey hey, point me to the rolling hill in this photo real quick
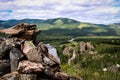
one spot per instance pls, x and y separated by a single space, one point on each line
67 27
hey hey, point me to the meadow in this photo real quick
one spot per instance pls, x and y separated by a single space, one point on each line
105 65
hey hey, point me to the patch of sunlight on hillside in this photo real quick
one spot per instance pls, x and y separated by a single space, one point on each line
59 21
99 30
82 25
70 21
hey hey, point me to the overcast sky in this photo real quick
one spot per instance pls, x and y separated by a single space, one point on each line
93 11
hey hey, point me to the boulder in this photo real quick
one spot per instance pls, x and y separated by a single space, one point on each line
61 76
5 47
42 47
23 31
10 76
29 67
31 52
7 44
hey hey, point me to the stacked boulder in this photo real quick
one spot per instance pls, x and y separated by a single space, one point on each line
22 58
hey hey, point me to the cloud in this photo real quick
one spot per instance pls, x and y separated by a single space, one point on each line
95 11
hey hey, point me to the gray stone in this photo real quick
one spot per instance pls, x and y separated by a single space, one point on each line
15 56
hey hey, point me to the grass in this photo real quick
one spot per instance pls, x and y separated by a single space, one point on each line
91 67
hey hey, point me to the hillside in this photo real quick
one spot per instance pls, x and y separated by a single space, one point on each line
67 27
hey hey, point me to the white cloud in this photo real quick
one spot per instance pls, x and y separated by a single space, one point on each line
98 11
29 2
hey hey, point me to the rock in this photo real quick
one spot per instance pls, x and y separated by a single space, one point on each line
66 51
74 78
4 50
51 63
6 45
82 47
90 46
31 52
23 31
43 48
87 47
48 71
113 68
42 79
74 56
61 76
30 67
48 61
53 51
28 77
4 67
10 76
15 56
51 57
44 76
27 59
69 50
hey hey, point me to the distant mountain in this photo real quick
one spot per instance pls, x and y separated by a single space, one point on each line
67 27
12 22
32 21
61 21
116 27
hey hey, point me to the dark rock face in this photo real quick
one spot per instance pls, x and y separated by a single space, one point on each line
22 59
61 76
4 67
15 56
4 49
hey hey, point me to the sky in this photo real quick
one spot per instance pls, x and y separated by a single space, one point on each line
92 11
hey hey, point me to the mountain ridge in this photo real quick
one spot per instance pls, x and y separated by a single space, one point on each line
68 27
49 21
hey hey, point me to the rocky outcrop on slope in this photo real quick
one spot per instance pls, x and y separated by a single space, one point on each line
84 47
87 47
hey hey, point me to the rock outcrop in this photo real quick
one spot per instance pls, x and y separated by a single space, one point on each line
87 47
68 50
84 47
22 59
